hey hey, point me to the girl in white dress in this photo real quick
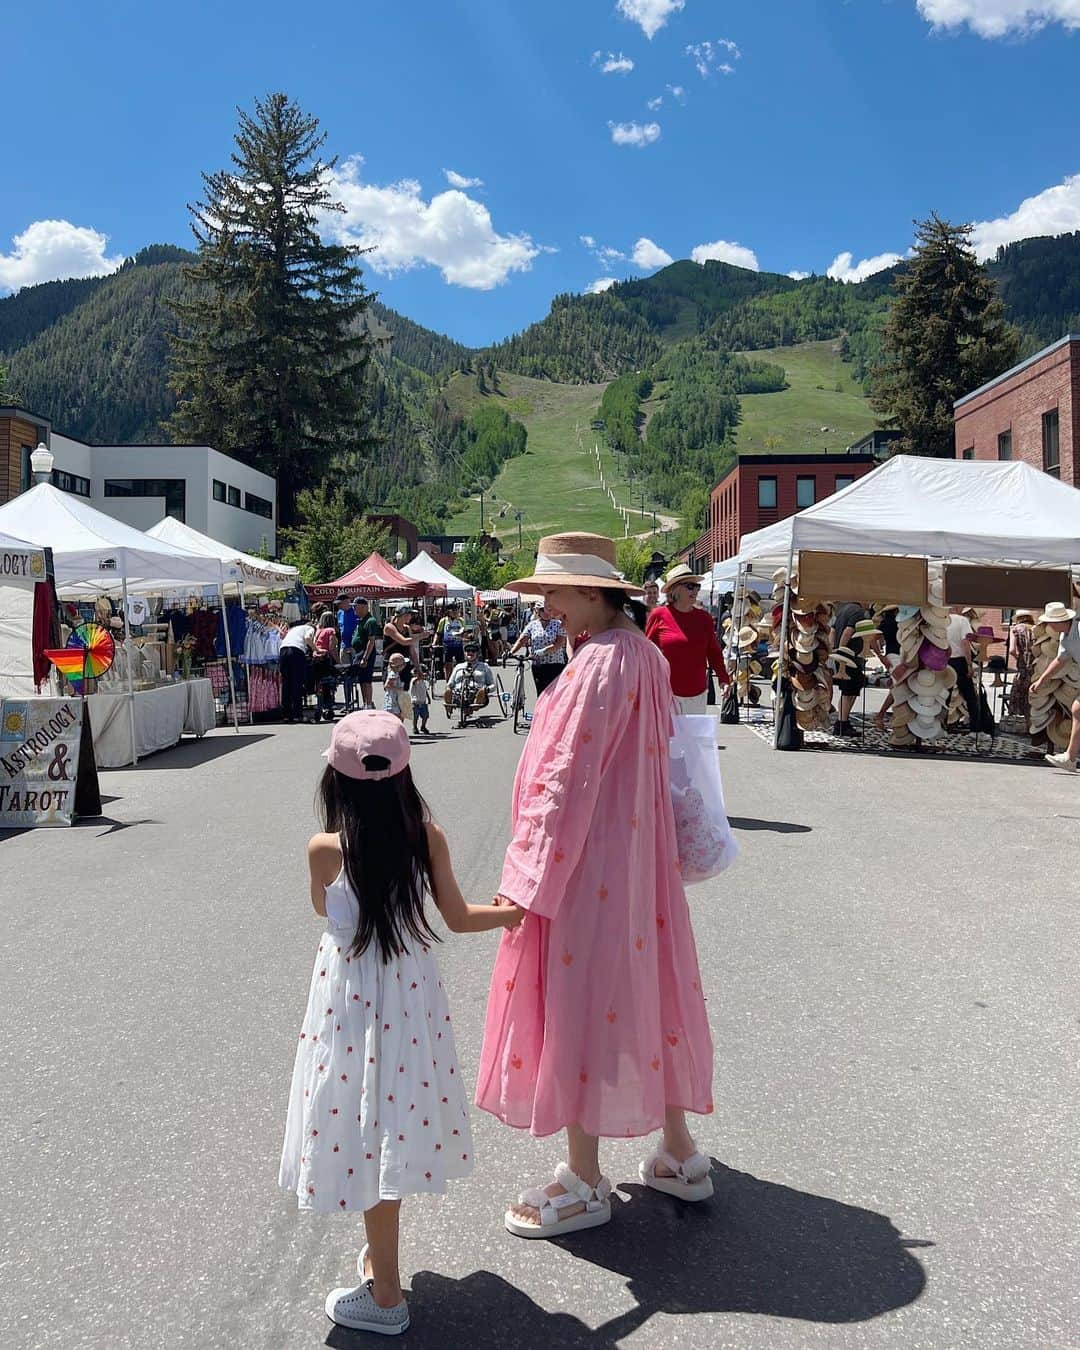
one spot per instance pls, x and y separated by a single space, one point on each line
377 1108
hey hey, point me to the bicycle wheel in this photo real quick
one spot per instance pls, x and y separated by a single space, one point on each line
503 697
519 699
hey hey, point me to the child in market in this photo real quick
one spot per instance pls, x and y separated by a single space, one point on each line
421 705
395 698
377 1108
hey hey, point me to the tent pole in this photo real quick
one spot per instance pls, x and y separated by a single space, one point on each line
228 656
246 665
127 660
783 643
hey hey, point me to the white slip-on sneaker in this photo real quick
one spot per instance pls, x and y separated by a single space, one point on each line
357 1310
1061 761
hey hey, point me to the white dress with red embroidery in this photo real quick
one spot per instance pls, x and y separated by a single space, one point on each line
377 1109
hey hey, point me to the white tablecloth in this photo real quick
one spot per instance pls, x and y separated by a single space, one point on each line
161 716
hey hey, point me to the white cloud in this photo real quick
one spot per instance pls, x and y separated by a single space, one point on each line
722 251
54 250
610 64
634 133
655 103
648 256
1055 210
451 231
652 15
604 253
997 18
798 276
600 284
844 268
709 56
458 180
587 240
677 92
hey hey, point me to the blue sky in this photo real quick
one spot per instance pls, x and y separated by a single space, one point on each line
789 134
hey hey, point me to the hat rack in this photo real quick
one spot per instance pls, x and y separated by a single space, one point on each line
1051 716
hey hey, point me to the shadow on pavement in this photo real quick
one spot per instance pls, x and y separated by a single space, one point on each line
775 826
189 754
755 1247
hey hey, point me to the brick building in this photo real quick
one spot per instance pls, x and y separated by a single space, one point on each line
1032 412
762 489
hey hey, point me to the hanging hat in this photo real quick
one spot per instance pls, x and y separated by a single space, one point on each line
902 715
928 706
927 728
748 638
926 680
906 612
843 660
574 560
679 575
1023 616
933 657
801 605
780 575
865 628
901 694
1057 613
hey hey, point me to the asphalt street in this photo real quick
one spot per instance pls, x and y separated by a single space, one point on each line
892 982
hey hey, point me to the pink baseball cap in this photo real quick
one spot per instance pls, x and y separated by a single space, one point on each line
368 733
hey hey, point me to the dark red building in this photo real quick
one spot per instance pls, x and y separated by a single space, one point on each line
1032 412
762 489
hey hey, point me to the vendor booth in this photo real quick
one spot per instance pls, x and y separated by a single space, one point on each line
22 570
424 568
374 578
141 707
921 535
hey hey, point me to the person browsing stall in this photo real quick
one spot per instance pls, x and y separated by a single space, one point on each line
687 639
1063 621
292 662
854 636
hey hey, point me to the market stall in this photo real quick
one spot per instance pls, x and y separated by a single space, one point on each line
374 578
424 568
22 570
254 636
926 534
95 558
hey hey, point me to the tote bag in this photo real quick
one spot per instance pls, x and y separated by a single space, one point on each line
703 834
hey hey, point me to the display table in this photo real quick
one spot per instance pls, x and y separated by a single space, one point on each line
162 715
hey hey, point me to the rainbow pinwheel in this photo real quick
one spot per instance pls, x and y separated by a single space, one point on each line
89 654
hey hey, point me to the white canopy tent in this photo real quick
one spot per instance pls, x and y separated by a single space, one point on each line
975 510
94 554
22 566
424 568
253 574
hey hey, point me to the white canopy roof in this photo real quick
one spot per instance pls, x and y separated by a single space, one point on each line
976 510
256 574
21 563
424 568
92 551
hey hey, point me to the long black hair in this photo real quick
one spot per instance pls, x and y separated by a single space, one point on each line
384 842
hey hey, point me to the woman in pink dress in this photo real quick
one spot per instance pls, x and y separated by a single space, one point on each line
596 1019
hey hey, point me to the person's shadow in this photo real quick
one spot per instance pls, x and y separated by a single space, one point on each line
755 1247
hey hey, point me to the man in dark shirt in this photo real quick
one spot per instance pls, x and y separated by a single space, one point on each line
365 635
851 683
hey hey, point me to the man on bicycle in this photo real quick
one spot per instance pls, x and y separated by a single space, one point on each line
448 636
472 682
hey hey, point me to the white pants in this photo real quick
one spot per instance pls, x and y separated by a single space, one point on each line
697 703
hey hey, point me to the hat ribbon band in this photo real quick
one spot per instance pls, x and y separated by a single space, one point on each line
575 564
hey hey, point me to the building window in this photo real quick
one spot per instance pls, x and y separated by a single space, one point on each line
26 477
234 496
1051 444
766 493
71 482
219 490
969 453
174 490
805 489
1005 445
258 505
844 480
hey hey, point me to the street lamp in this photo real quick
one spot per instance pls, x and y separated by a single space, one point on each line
517 517
41 464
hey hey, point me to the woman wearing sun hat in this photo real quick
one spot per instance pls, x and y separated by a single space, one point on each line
596 1020
687 638
1063 621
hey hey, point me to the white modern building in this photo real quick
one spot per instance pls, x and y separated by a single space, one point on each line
140 484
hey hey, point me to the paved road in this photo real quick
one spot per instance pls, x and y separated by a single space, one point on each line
893 993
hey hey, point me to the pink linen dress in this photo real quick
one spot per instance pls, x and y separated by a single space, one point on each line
596 1013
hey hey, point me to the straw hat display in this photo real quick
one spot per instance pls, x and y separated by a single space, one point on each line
1051 715
921 701
805 662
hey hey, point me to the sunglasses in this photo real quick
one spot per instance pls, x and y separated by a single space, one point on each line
692 585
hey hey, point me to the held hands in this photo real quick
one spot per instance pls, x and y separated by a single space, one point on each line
514 914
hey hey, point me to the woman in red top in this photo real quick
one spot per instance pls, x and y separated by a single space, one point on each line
687 638
324 653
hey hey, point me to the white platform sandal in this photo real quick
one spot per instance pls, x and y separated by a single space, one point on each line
596 1199
690 1180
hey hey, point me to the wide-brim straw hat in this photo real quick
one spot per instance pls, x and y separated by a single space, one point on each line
678 575
575 560
1023 616
927 681
928 707
803 605
927 728
1057 613
748 637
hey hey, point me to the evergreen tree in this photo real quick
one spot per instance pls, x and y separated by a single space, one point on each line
946 335
270 366
331 536
7 393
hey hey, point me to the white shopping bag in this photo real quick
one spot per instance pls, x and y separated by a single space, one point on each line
706 843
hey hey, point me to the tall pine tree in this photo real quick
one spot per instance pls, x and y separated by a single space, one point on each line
946 334
270 362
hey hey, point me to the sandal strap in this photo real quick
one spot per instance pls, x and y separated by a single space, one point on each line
592 1197
693 1169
